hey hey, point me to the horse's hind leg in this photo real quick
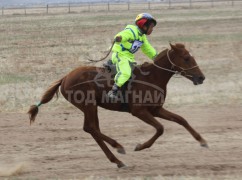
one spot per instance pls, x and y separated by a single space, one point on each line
90 127
112 142
162 113
149 119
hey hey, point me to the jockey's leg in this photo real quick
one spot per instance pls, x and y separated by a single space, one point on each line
124 71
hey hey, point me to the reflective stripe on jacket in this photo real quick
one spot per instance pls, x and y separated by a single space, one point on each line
132 40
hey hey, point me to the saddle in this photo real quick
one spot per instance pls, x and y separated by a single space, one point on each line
110 67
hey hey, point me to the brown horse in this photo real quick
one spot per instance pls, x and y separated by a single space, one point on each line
143 96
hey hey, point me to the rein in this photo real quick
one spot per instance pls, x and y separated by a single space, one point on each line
174 65
98 60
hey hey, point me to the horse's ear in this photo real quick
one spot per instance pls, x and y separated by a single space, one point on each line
173 47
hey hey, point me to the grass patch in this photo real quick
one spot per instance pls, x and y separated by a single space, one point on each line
201 38
195 13
12 78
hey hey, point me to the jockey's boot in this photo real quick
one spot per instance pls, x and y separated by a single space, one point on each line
113 93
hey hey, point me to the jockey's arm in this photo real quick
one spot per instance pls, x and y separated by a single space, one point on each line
118 38
124 37
148 50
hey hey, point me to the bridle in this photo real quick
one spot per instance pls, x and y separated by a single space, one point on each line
173 65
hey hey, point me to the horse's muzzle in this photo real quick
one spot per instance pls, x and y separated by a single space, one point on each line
198 80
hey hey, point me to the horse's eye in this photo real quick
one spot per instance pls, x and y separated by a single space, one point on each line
187 58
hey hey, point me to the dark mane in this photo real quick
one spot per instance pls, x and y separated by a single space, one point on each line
161 54
146 65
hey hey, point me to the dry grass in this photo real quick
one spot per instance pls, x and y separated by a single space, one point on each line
38 49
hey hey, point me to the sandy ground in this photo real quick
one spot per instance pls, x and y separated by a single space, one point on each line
36 50
56 147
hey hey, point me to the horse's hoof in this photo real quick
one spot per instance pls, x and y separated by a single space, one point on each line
204 145
121 165
138 147
121 150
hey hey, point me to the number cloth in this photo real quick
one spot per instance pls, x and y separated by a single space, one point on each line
123 52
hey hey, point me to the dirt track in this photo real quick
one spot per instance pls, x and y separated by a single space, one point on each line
37 50
57 147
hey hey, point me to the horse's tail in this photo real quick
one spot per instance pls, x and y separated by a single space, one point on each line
47 96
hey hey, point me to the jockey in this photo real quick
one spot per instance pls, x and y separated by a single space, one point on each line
127 42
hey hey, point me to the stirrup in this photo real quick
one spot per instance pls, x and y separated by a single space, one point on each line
112 94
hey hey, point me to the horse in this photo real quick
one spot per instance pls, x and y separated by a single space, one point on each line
86 87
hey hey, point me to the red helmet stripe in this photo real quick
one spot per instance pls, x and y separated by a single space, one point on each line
141 23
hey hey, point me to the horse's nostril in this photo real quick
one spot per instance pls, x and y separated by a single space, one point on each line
201 78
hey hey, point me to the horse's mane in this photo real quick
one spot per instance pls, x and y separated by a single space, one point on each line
161 54
147 65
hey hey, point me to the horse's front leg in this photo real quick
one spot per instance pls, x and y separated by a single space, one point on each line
147 117
162 113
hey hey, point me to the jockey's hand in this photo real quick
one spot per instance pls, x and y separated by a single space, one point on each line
118 39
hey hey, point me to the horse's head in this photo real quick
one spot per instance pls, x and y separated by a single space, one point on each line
183 62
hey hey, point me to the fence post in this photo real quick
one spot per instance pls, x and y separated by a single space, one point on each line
25 11
108 6
47 9
212 3
128 6
190 3
69 8
169 3
149 5
89 7
2 11
232 3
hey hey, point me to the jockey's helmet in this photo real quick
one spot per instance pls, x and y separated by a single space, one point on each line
144 18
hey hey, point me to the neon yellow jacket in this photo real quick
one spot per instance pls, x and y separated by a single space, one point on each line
132 40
